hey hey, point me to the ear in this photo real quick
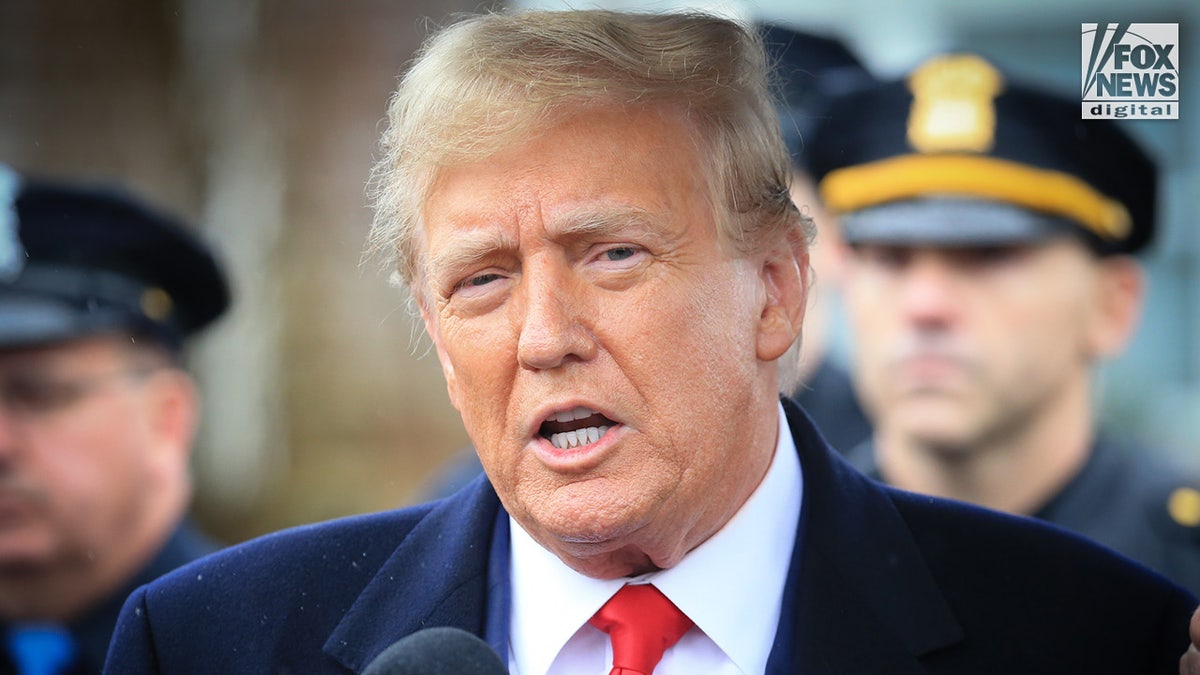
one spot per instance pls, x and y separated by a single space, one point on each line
784 275
174 413
1120 286
432 328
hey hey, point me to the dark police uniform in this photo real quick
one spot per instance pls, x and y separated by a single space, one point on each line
1131 504
957 155
829 399
80 260
92 632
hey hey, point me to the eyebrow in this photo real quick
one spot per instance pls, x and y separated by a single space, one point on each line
468 249
590 221
474 246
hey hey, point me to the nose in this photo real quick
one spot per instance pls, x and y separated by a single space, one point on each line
554 320
929 296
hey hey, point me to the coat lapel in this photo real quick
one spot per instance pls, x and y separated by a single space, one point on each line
863 598
436 577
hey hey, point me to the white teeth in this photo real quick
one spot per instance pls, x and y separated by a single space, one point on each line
572 415
573 439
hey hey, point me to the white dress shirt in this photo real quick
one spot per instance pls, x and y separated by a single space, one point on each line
731 586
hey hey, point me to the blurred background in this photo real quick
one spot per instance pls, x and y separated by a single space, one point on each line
258 119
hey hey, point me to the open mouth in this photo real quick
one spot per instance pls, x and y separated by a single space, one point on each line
573 428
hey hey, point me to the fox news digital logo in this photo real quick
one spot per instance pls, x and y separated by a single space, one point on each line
1131 70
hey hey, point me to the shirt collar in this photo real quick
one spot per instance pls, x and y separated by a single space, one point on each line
740 614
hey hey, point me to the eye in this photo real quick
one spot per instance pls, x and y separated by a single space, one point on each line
478 286
618 257
888 257
994 256
619 253
40 395
475 282
479 280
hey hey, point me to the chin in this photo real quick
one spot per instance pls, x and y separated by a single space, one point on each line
947 443
939 417
602 530
596 519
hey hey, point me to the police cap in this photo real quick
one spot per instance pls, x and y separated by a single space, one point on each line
78 260
955 154
809 69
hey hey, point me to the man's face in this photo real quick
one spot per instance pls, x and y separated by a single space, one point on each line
956 347
75 457
609 356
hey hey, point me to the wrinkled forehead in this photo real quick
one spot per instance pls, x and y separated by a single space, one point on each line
475 208
592 220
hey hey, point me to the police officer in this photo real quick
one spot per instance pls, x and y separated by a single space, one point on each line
991 236
98 294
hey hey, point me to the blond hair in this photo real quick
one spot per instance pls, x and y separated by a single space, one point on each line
490 80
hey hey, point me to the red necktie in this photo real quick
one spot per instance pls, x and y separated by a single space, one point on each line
643 624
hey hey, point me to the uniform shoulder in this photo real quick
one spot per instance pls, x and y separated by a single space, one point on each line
1169 495
960 539
1162 494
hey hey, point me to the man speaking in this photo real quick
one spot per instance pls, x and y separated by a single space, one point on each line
591 211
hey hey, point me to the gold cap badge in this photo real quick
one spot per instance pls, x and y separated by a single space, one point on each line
952 108
1184 506
156 304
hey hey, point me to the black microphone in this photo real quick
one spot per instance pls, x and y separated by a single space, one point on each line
438 651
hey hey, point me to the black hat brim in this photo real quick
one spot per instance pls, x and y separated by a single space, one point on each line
31 321
951 222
